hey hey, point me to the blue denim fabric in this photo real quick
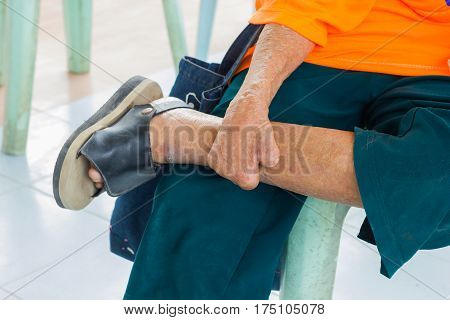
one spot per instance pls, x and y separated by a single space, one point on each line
203 85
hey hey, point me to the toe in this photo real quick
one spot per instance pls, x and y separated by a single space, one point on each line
98 185
95 176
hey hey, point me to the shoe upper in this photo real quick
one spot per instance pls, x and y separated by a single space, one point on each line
122 152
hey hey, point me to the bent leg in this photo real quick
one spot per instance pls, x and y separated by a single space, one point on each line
200 228
207 238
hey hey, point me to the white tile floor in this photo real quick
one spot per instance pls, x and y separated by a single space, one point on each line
50 253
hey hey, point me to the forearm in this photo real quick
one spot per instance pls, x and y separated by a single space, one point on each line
279 51
315 162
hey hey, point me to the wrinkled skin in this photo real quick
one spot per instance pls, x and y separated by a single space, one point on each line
245 140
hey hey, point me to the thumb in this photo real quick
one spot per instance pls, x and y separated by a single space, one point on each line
269 153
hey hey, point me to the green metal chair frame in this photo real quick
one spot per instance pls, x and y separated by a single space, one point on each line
18 31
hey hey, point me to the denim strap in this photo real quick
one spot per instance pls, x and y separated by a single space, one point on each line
238 49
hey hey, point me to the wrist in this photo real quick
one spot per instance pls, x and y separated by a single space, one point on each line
259 92
251 100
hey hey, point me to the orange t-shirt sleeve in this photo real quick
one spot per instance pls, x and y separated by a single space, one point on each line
313 19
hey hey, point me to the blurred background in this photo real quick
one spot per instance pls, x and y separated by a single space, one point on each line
50 253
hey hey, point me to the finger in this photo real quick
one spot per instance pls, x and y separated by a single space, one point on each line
269 153
228 170
247 175
95 176
246 181
217 163
213 156
222 154
235 160
98 185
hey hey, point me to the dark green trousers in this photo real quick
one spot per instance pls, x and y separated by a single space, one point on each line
208 239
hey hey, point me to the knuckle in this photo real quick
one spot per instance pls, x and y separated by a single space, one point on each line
248 185
246 182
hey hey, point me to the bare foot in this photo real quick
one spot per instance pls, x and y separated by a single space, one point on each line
96 177
157 154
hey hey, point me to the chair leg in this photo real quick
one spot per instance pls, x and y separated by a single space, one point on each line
205 26
22 20
78 27
175 30
312 250
3 42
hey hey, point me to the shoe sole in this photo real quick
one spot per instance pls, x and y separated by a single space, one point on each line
72 187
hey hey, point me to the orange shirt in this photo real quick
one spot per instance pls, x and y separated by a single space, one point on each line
400 37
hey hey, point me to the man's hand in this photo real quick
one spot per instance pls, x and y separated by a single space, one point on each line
244 141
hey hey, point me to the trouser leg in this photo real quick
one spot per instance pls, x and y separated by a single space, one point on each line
403 169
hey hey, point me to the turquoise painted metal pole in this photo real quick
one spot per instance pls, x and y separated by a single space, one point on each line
312 250
22 20
3 41
175 29
205 26
78 27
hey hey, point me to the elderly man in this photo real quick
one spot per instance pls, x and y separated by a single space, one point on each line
345 100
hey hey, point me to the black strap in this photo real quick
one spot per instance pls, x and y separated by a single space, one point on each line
235 54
